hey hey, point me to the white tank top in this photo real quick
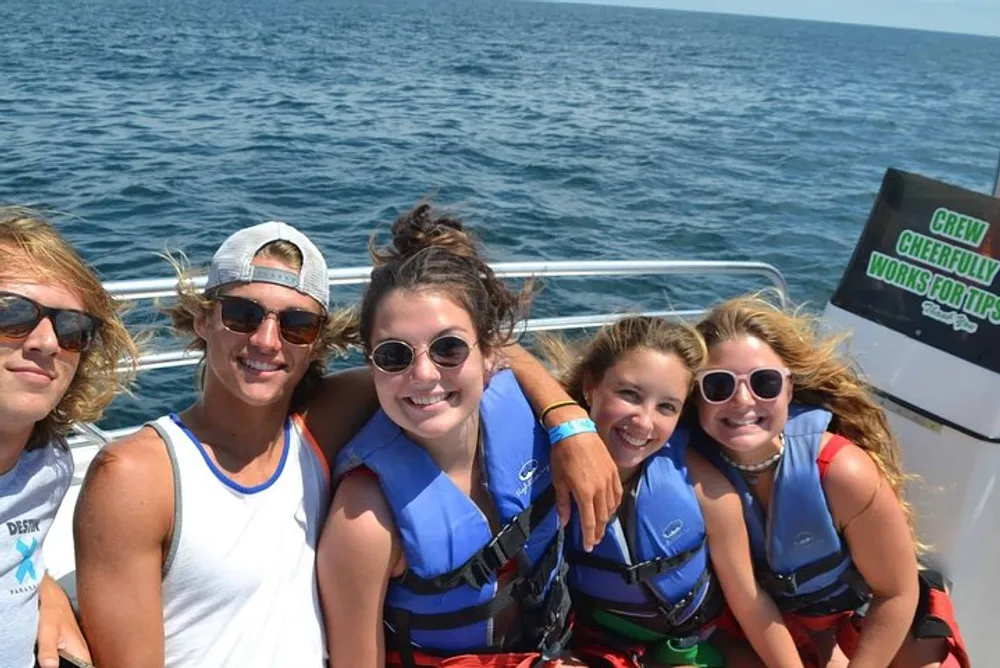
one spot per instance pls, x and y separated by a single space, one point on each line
239 584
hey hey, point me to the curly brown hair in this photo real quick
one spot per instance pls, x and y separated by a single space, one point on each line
590 361
339 330
30 246
432 250
820 376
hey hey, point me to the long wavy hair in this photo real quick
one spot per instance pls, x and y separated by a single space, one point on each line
821 377
339 331
589 361
31 247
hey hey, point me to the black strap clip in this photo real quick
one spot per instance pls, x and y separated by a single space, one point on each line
650 569
783 583
503 547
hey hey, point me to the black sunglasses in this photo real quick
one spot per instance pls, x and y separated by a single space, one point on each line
719 385
19 316
394 356
298 327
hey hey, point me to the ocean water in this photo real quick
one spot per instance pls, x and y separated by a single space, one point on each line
558 131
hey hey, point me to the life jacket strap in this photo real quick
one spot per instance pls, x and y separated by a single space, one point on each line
544 627
670 613
401 625
934 619
708 613
831 599
925 623
554 620
787 584
635 573
481 568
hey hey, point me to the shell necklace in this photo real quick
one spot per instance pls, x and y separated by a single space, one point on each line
753 472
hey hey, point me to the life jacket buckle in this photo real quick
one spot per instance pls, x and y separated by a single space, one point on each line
786 583
495 555
478 574
485 565
647 570
641 572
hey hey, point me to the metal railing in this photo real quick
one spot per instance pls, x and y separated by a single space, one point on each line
146 289
164 287
996 181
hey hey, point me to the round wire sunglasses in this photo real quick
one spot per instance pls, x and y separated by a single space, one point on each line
396 356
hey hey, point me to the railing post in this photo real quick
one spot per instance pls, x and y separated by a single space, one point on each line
996 179
92 430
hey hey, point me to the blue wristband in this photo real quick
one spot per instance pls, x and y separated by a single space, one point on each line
572 428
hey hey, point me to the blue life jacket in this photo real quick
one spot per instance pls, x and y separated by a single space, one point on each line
800 557
446 601
653 559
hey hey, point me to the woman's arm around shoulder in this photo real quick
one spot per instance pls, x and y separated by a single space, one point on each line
729 551
358 553
121 528
873 523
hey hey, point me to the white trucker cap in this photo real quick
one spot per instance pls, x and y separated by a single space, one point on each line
233 262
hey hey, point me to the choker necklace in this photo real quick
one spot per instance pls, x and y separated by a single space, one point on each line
753 472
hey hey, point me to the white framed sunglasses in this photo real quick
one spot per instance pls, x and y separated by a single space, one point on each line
718 386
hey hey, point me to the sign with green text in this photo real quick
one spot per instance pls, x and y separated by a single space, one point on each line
926 266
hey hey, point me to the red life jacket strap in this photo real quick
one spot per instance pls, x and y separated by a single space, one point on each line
829 451
938 618
602 656
506 660
934 618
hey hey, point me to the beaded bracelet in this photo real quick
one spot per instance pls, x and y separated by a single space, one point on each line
563 431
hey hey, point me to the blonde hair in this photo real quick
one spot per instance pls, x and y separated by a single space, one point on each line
820 377
575 365
339 330
30 246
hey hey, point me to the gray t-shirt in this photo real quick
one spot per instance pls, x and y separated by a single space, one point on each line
30 494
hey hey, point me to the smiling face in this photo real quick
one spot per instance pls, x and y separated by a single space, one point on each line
34 371
637 404
429 402
745 424
260 368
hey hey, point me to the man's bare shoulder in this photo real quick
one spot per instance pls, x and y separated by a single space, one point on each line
140 455
131 478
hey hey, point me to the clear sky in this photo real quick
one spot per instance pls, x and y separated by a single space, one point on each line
966 16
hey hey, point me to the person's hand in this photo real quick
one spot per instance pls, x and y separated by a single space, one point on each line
57 626
582 467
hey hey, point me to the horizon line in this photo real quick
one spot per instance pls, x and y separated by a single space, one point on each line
632 4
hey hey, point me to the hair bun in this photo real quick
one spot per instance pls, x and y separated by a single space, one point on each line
422 228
